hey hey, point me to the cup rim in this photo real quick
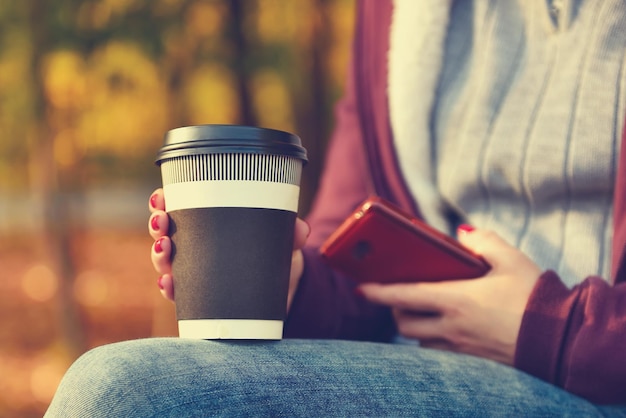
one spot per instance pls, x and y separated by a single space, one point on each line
220 139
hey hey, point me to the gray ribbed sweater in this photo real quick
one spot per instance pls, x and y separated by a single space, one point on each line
521 111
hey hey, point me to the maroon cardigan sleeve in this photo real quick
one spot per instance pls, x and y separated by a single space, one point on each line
576 338
325 305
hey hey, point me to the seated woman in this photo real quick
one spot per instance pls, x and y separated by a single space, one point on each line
507 116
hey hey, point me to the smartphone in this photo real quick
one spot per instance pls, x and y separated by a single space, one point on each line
378 242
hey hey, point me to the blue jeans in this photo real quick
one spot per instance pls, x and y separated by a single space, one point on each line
170 377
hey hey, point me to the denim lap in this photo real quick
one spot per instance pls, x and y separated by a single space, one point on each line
169 377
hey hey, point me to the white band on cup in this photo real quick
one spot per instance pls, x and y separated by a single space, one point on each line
232 329
228 193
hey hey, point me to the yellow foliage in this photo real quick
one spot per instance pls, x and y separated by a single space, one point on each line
209 95
283 21
98 14
66 148
114 101
13 65
64 79
94 15
127 103
166 7
119 6
16 90
204 19
342 16
272 101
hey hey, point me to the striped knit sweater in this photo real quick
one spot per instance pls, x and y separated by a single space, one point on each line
501 113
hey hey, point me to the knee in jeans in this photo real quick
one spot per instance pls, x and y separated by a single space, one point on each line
105 363
97 382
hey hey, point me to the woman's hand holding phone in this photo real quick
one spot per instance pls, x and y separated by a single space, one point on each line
481 317
421 274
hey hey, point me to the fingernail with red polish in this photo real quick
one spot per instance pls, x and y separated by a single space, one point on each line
158 248
155 223
160 283
153 200
466 228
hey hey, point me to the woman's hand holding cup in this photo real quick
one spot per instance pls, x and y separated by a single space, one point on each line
158 227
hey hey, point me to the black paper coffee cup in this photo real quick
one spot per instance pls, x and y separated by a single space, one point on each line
231 193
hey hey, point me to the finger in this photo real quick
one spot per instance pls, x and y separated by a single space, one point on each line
496 251
429 329
166 286
419 326
297 267
435 344
161 252
416 297
158 224
481 241
156 201
302 231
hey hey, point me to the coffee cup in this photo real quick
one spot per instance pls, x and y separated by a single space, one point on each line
231 193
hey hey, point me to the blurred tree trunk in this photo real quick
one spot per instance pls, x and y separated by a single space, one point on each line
312 116
57 226
178 62
241 53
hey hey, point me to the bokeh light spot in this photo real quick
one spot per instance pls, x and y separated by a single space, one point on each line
40 283
91 288
44 380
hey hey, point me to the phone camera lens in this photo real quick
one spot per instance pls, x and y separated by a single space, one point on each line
361 250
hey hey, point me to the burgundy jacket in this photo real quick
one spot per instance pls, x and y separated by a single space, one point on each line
573 338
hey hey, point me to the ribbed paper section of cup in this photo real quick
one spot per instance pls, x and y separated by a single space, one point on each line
232 180
234 167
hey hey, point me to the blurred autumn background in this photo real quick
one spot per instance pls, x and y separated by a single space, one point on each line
87 90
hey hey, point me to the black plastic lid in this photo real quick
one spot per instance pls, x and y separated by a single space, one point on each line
222 139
